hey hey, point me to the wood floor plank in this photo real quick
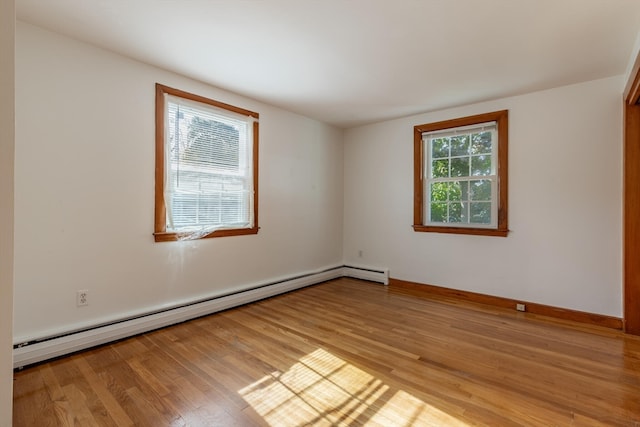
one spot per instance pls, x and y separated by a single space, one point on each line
346 353
104 395
78 404
31 399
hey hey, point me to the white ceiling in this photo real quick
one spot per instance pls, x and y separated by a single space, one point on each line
349 62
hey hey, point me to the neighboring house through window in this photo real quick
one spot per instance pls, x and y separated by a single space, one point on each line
460 175
206 167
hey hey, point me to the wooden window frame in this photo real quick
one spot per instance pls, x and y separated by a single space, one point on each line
502 124
161 234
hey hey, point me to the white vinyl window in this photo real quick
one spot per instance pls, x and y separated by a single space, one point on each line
208 168
460 175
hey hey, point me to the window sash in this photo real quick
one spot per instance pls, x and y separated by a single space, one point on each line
427 140
206 190
466 204
460 130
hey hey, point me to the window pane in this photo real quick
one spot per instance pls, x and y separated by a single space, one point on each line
481 143
204 199
464 190
456 213
233 209
440 148
455 191
211 143
460 167
440 168
481 165
438 212
480 212
465 213
439 191
481 190
460 145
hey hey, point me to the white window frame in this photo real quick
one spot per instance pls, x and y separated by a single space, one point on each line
427 138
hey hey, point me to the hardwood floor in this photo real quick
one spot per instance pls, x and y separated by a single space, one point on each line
346 352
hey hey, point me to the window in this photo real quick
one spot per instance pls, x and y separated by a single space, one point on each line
460 175
206 167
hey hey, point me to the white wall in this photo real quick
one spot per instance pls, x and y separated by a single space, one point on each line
85 193
565 197
634 58
7 25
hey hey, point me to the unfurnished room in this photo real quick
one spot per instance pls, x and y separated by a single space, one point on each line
319 213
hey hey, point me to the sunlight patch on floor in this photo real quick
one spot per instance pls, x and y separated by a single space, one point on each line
322 389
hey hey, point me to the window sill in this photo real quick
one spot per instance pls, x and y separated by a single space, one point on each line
461 230
173 237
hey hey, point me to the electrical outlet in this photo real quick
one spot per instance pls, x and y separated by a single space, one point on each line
360 253
521 307
82 298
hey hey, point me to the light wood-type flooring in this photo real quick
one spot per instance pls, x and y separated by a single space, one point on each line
345 352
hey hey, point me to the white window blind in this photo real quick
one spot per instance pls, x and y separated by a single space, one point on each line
208 168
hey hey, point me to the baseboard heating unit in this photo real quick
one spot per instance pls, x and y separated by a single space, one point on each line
366 273
37 350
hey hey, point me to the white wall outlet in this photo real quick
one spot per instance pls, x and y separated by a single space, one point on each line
360 253
82 298
521 307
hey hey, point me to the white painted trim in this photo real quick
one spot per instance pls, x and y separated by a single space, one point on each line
72 341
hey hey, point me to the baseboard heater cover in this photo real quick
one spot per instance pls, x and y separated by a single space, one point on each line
367 273
39 350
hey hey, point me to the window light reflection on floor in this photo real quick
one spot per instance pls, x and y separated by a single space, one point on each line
322 389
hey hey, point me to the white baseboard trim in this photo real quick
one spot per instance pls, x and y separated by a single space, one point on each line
38 350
